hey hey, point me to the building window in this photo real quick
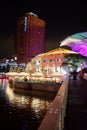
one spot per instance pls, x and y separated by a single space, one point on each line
50 60
59 59
43 61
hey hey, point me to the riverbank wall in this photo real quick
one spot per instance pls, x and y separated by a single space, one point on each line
37 86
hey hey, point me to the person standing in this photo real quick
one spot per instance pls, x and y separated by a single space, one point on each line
74 75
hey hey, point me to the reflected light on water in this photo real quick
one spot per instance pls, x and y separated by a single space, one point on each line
22 101
26 109
15 99
39 105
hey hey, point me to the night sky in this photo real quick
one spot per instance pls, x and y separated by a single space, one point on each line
62 19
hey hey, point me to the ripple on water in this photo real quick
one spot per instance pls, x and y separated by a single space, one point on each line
22 110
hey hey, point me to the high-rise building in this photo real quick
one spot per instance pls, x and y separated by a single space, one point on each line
30 37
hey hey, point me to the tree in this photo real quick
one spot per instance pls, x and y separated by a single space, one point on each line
74 60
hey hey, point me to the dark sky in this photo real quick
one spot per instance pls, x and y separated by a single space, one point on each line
62 19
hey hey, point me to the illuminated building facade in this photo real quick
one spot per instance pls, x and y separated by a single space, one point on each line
48 63
30 37
53 62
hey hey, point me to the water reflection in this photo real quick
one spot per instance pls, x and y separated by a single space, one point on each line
26 101
26 108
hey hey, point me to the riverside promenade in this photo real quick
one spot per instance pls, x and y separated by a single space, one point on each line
76 110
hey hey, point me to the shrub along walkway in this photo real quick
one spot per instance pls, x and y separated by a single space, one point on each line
76 110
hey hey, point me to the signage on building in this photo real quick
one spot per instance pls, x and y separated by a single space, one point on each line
25 23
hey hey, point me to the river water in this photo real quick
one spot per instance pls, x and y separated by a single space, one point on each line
22 110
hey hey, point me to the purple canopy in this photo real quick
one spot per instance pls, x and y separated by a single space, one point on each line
77 42
81 48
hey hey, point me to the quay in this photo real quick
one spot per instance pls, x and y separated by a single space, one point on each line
36 86
54 118
68 111
69 108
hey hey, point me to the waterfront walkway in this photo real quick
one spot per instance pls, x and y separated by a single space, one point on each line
76 111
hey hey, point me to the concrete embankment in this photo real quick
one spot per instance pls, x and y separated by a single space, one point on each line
37 86
54 118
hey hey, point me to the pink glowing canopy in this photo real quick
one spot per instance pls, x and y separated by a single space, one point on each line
77 42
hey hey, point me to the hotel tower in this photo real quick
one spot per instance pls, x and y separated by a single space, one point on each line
30 37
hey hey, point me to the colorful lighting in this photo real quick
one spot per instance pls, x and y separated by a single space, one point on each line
77 42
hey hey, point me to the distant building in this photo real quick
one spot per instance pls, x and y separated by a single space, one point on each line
30 37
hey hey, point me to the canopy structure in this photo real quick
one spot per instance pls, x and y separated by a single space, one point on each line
77 42
40 55
80 35
61 51
68 40
37 74
23 74
56 51
11 73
